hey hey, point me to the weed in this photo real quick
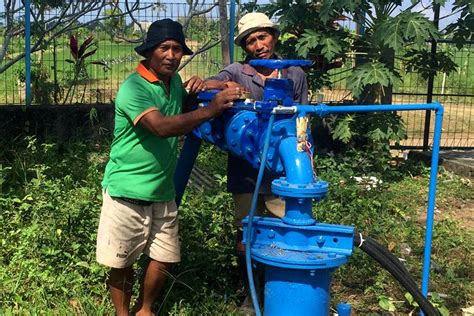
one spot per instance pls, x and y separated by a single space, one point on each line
50 198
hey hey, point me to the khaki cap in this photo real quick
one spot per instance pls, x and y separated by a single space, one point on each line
251 22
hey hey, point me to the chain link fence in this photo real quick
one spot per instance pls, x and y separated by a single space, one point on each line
57 77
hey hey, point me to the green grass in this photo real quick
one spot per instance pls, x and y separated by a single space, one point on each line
50 199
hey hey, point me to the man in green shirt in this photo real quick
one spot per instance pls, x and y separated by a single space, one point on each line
139 214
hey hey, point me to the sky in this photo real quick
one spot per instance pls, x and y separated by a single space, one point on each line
446 10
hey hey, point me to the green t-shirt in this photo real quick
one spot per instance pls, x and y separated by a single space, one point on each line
141 164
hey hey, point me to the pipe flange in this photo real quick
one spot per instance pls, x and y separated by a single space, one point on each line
241 134
278 257
317 189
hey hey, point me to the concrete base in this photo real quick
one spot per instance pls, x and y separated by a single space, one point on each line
460 162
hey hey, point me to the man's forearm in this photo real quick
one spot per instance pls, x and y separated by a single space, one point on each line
181 124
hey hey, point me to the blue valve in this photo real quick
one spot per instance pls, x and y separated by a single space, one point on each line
279 89
280 63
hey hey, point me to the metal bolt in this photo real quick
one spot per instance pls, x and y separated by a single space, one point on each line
312 272
320 241
271 234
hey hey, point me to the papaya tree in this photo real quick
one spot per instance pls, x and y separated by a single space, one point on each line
390 36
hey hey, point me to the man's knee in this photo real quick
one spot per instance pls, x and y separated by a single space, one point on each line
121 278
162 266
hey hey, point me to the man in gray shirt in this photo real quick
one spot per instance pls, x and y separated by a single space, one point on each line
258 36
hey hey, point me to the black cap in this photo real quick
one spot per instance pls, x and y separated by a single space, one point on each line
160 31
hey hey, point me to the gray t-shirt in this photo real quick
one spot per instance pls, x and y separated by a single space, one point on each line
241 176
246 75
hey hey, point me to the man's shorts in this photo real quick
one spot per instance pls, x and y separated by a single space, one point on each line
267 204
126 230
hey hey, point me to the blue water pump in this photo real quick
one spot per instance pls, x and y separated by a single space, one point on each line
299 253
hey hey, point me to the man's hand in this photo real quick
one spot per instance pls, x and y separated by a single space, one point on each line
232 84
223 100
194 85
216 84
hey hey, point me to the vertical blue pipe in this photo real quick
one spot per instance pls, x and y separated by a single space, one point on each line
297 291
27 53
253 209
231 30
185 164
431 201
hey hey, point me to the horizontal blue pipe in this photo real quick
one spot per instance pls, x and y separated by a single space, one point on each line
323 109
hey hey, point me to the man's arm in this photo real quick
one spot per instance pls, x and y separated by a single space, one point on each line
167 126
225 78
301 86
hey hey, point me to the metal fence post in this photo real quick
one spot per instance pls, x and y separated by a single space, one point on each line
27 53
231 30
429 93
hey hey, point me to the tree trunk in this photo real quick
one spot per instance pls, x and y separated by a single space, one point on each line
224 30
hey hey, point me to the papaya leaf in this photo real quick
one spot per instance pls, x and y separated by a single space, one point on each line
309 40
343 130
326 10
370 74
330 48
390 33
417 28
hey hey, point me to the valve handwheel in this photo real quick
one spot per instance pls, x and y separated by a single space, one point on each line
280 63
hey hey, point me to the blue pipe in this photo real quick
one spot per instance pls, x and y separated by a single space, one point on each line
431 202
253 208
27 53
231 30
297 166
323 109
186 160
298 170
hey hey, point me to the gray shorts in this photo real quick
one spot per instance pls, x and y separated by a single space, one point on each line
126 230
267 205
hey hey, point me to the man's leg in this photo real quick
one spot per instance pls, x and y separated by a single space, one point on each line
163 249
121 237
121 283
153 281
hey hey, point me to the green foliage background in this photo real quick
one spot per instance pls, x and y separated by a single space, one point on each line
50 201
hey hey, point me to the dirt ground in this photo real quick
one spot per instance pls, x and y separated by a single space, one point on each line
463 211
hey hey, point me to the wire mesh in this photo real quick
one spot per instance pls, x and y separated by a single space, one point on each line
55 79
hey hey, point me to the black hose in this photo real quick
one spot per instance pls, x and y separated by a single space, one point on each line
388 261
393 259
